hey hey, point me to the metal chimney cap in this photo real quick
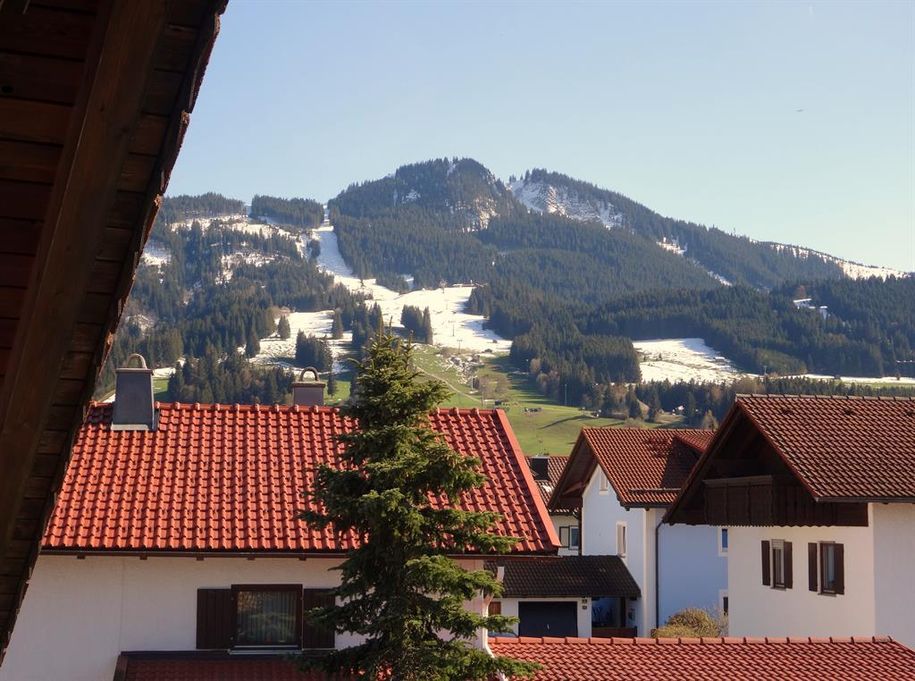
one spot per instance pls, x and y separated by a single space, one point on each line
301 378
141 360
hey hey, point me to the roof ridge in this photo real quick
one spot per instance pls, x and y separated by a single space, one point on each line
690 641
837 398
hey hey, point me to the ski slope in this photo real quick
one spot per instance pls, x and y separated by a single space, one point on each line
683 359
451 326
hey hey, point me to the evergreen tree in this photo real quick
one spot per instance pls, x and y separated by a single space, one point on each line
332 383
399 588
427 327
336 328
282 328
252 344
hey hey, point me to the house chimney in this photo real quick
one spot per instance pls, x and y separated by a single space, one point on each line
540 467
308 393
134 407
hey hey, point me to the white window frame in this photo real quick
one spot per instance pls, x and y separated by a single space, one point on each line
777 560
603 484
722 549
567 531
621 539
722 594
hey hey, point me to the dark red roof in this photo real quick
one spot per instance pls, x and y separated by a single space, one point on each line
556 576
841 447
645 467
230 478
717 659
178 667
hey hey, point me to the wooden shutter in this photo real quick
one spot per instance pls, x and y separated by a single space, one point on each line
766 564
840 569
495 607
312 635
215 619
789 566
812 567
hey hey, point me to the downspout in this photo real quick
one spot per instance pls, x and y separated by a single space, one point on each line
657 570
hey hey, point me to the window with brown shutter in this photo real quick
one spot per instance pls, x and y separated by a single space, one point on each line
495 607
788 566
267 615
812 566
215 619
766 564
314 636
832 568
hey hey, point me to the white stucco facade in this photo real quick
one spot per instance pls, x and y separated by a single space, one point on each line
878 598
79 615
690 568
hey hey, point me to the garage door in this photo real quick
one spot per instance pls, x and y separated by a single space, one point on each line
547 618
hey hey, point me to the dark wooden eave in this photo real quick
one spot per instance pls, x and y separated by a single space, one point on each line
95 98
742 480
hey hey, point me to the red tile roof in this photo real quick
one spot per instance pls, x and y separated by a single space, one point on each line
645 467
230 478
841 447
728 659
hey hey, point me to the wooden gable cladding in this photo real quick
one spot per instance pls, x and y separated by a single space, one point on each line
769 500
743 481
95 97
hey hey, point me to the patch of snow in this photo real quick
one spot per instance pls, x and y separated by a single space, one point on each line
675 248
412 195
886 380
852 270
277 351
672 246
683 359
155 254
451 326
545 198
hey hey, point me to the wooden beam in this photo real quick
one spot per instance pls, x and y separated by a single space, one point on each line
101 126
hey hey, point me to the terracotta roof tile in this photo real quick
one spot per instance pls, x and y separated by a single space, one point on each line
646 467
841 447
554 576
230 478
726 659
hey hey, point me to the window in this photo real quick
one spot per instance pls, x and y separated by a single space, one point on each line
777 565
568 536
723 601
826 567
722 541
621 540
603 483
267 616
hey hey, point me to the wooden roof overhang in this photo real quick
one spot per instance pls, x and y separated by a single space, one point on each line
569 488
95 98
742 480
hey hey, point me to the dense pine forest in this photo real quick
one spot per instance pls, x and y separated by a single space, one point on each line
572 291
573 294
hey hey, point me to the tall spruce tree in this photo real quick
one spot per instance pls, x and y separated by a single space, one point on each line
399 588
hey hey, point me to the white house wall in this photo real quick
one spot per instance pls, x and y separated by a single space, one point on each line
758 610
691 571
894 558
601 511
78 615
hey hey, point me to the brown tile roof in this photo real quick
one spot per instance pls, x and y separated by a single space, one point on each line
728 659
646 467
582 576
555 465
841 447
178 667
230 478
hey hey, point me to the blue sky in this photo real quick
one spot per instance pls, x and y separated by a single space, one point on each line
689 108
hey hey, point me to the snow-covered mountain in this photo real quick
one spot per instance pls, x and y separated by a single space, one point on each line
727 257
563 200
